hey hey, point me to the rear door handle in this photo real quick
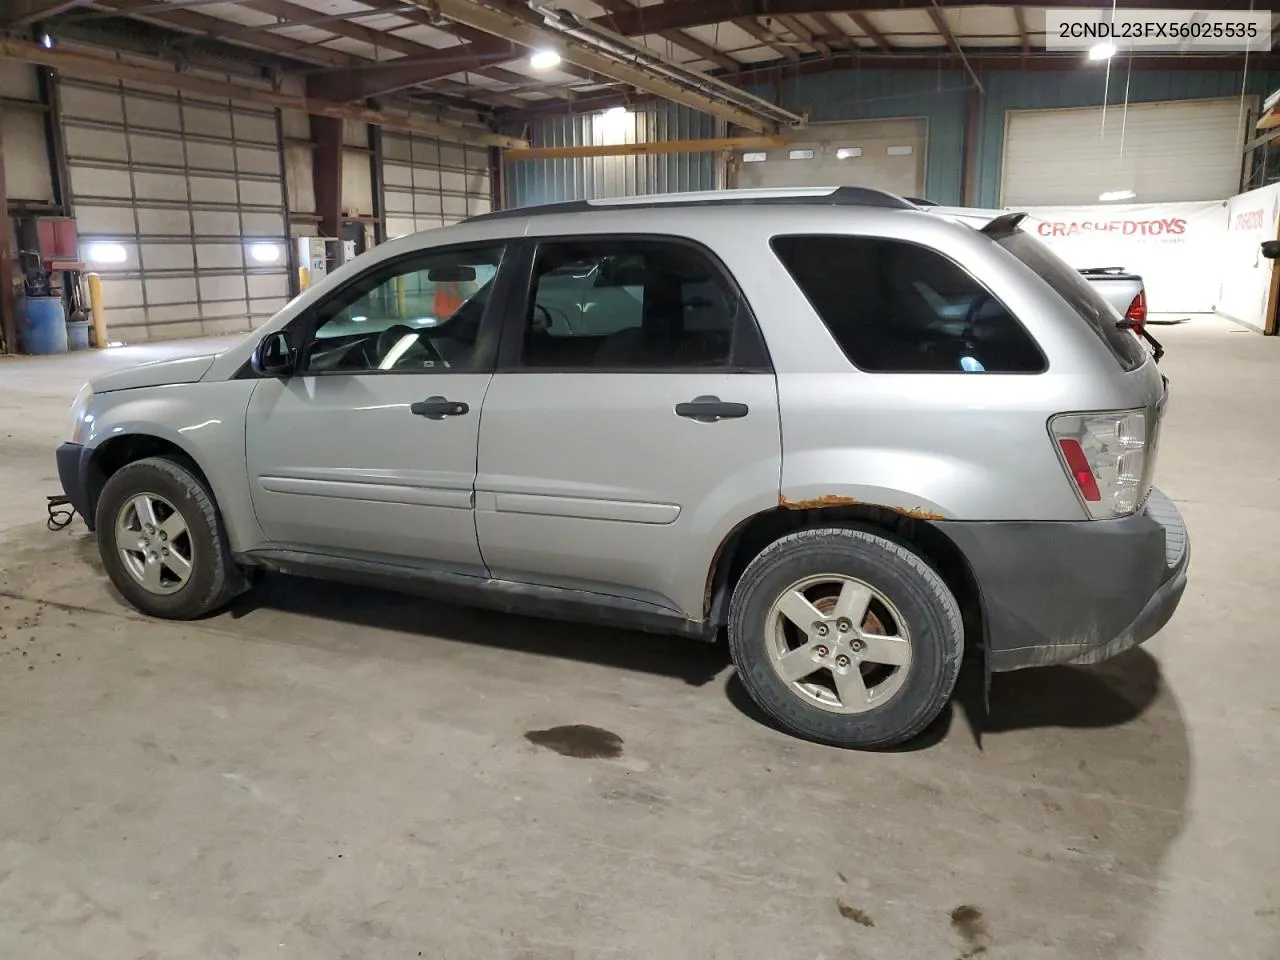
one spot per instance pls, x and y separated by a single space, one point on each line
437 408
709 409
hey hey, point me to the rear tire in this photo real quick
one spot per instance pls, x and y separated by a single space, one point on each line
846 638
161 540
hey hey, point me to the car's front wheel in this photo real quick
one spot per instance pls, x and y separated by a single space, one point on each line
845 637
161 540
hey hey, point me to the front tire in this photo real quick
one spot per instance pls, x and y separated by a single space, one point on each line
846 638
161 540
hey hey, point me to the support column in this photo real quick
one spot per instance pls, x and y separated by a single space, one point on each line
326 172
8 302
972 123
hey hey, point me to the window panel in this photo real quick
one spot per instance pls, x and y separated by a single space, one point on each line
896 307
628 304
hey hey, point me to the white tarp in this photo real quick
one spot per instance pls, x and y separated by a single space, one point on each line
1175 247
1243 274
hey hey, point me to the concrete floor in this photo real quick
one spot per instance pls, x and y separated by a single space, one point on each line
324 772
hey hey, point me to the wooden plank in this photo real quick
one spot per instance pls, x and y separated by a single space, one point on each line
651 148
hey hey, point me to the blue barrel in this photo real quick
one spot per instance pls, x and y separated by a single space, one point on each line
42 325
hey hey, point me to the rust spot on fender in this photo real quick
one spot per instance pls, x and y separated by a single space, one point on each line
835 500
817 503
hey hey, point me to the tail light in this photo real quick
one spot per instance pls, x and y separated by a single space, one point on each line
1136 316
1105 455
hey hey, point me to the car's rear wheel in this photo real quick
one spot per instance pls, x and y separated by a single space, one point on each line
161 540
845 637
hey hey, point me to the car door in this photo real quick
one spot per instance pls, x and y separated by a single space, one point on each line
369 448
628 428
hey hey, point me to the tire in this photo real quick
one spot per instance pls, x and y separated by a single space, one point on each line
906 601
167 485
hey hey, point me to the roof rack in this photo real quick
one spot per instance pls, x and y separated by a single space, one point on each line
800 196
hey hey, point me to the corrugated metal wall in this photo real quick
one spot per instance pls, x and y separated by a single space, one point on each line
937 95
549 181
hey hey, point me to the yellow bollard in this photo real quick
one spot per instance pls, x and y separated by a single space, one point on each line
401 305
304 278
95 308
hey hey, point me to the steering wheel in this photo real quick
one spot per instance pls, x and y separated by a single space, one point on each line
394 334
543 323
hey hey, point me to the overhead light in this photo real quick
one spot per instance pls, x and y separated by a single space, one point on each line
1111 196
107 253
46 41
544 59
264 252
848 153
1102 51
616 112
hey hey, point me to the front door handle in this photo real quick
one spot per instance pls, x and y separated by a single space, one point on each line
437 408
710 409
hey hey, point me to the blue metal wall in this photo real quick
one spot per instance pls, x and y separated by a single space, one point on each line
937 95
548 181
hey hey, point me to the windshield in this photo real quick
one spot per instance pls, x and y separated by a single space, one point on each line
1079 294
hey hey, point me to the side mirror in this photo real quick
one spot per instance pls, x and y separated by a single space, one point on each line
274 356
1271 249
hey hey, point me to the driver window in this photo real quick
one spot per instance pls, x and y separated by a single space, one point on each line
415 315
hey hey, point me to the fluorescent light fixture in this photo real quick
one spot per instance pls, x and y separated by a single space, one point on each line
1111 196
800 155
1102 51
616 112
46 41
754 157
544 59
848 153
904 151
359 319
264 252
107 253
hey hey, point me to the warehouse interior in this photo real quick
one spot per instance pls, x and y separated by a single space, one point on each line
332 771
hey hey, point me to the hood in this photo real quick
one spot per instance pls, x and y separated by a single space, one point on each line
160 373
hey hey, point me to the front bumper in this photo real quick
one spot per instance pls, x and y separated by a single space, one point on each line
73 473
1076 592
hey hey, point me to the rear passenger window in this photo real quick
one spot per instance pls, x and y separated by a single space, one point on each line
609 304
896 307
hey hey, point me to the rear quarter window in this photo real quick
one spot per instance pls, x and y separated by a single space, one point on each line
1087 303
896 307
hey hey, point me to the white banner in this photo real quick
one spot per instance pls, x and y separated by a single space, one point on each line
1175 247
1243 274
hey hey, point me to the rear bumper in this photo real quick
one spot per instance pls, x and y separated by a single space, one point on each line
1076 592
73 474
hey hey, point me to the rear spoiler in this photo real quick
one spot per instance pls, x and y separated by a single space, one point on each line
1004 223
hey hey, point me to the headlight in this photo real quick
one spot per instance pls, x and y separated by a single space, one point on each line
79 414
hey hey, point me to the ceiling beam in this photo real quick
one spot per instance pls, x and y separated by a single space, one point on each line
682 14
648 148
61 58
513 28
23 12
940 22
802 33
1020 15
129 9
872 31
832 31
680 38
766 38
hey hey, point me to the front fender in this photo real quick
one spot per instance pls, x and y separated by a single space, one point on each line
206 421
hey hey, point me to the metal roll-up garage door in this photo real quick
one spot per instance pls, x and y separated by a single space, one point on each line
427 183
885 154
179 203
1175 150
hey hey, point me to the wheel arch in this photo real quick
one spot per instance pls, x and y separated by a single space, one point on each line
122 449
926 538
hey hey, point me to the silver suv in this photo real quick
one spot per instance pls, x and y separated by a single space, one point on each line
855 435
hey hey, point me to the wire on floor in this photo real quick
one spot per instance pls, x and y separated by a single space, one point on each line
61 512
